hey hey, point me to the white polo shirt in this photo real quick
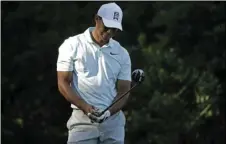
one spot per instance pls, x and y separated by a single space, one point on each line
95 69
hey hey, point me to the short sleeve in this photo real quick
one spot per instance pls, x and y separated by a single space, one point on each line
65 57
125 72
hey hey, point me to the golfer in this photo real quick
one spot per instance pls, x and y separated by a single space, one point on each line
93 70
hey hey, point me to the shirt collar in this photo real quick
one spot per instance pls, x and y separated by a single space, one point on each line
90 40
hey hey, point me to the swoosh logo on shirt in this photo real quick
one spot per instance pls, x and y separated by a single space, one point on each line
113 53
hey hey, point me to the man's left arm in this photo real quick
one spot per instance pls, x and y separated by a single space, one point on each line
123 84
122 87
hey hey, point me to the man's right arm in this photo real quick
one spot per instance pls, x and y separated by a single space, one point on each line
64 76
64 81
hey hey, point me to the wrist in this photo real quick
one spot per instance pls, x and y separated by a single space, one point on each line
112 111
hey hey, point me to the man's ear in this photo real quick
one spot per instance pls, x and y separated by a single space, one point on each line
96 17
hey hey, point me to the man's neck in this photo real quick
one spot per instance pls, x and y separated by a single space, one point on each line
96 39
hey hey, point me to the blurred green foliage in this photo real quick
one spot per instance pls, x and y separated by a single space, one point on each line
180 46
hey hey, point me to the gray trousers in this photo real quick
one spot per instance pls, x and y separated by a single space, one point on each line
82 131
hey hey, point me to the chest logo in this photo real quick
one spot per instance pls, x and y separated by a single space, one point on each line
113 53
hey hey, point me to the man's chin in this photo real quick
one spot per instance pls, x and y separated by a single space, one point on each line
105 40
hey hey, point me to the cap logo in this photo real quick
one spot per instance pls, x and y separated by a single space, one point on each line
116 16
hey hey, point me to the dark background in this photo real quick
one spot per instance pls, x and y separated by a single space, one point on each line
180 46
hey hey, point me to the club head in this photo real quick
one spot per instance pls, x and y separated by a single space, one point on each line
138 75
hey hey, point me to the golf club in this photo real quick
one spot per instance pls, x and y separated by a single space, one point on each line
138 78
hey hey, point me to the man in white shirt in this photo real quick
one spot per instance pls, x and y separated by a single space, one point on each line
93 70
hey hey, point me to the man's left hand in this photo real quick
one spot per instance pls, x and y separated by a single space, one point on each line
95 117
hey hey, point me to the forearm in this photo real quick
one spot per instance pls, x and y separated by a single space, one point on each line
120 104
67 91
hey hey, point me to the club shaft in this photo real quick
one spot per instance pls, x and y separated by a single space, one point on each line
119 98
